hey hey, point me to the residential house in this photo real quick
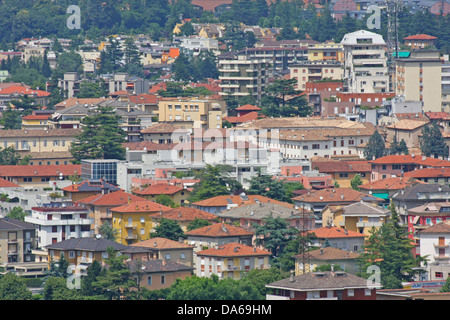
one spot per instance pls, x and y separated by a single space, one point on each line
434 244
360 217
57 224
183 216
430 175
38 176
190 113
386 188
250 214
396 165
100 206
416 195
346 260
177 194
328 285
338 237
230 261
87 188
157 274
317 200
165 133
35 122
162 249
218 204
217 234
132 221
317 70
81 252
419 41
424 216
342 171
408 130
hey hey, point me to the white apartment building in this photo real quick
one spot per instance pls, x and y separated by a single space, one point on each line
60 223
365 62
445 73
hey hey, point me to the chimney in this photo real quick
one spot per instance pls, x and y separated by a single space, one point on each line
291 278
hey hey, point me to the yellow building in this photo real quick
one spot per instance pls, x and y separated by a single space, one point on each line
329 51
33 121
358 217
177 194
132 221
189 113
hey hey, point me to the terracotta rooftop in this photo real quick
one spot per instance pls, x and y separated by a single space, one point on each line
395 183
243 118
411 159
141 206
42 170
408 124
442 227
420 37
248 107
163 128
160 244
335 195
157 189
224 201
233 249
330 253
7 184
218 230
23 91
91 186
335 232
329 166
428 173
184 214
147 145
115 198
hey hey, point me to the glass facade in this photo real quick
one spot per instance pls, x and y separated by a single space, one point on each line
99 169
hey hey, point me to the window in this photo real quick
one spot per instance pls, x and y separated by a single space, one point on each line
71 254
168 256
182 255
396 167
315 146
163 279
439 274
54 229
104 255
351 292
149 280
367 292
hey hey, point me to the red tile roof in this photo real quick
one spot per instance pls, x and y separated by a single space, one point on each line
220 230
233 249
36 117
158 189
144 98
334 195
223 201
437 115
428 173
184 214
410 159
329 166
395 183
420 37
243 118
141 206
24 91
7 184
160 243
147 146
39 171
116 198
335 232
248 107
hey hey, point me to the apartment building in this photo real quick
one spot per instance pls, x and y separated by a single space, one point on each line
17 239
242 76
419 78
365 66
313 71
60 223
445 86
122 81
70 83
190 113
328 51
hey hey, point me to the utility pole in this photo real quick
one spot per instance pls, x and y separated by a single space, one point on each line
303 245
392 40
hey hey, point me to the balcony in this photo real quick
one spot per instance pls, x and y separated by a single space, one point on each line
441 257
130 226
440 245
131 237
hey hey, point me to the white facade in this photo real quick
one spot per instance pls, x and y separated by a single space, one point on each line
58 224
365 62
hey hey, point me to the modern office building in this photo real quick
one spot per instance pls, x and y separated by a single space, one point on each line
105 169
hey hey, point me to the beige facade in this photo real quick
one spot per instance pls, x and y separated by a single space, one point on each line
419 78
311 71
17 239
192 113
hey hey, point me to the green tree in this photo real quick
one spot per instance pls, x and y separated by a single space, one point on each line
116 280
165 200
13 288
390 248
55 288
101 137
432 143
375 147
214 181
266 186
93 271
274 235
107 231
356 182
92 90
168 229
17 213
198 223
69 61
